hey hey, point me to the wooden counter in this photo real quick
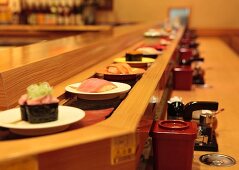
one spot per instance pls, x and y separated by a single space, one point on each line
67 28
19 35
222 70
90 147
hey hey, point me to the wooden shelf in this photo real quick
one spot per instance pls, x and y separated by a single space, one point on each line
55 28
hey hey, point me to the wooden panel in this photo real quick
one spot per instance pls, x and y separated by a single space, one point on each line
2 92
28 163
82 157
72 158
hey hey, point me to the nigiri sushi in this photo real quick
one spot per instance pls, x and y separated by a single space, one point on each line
148 51
96 85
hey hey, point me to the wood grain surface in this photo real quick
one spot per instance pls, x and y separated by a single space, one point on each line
55 28
221 67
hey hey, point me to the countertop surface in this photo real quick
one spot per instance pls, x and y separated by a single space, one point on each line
221 67
55 27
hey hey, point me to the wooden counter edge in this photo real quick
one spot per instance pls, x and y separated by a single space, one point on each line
55 28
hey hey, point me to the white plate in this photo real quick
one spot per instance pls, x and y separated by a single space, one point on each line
135 71
120 91
156 33
66 115
146 62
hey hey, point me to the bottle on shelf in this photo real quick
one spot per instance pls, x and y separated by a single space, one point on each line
52 11
68 9
31 16
49 12
15 8
89 12
23 13
77 11
5 13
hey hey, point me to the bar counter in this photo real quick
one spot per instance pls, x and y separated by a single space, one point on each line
89 147
19 35
221 67
55 28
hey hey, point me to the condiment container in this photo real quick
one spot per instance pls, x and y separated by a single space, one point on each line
182 78
185 54
175 109
173 144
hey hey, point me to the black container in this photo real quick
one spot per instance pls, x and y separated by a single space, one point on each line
175 110
39 113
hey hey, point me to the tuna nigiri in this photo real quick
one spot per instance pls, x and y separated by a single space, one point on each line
95 85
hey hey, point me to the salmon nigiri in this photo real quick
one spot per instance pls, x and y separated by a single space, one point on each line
119 68
95 85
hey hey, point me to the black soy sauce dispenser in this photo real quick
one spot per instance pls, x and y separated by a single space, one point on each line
175 108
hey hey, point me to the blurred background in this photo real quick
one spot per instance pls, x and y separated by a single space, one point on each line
209 18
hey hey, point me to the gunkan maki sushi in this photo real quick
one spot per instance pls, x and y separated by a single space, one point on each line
38 105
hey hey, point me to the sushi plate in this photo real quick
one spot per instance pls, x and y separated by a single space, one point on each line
149 51
66 115
137 72
120 91
145 61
